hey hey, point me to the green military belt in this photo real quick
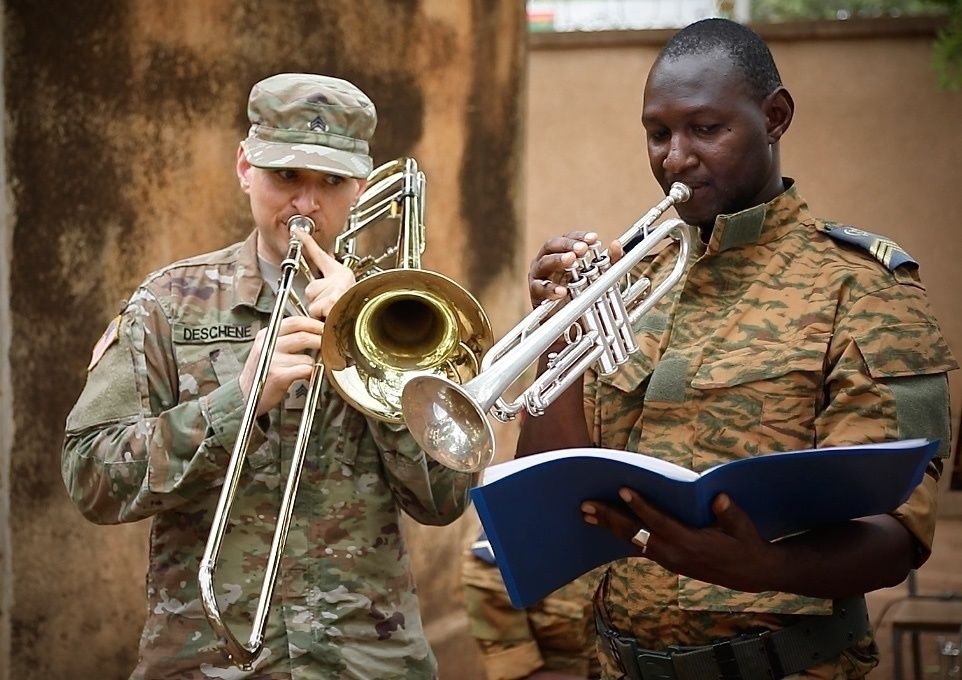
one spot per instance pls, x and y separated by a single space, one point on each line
760 656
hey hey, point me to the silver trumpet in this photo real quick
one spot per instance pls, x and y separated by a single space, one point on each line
449 420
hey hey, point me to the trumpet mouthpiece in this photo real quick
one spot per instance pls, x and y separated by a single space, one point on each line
679 192
301 223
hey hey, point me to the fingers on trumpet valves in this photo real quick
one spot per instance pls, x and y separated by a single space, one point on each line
560 260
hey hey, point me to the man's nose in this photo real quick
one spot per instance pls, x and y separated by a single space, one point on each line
307 199
679 155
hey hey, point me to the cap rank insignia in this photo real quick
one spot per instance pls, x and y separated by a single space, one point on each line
883 249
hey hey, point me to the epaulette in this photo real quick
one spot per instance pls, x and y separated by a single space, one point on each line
481 549
883 249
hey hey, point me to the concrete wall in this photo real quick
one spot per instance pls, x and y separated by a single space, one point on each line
122 121
873 143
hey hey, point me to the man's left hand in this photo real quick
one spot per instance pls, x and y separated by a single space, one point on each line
729 552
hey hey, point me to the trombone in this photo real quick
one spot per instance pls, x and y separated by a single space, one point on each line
449 420
389 327
395 324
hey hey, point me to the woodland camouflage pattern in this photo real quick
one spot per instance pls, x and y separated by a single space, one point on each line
778 338
555 634
303 120
151 436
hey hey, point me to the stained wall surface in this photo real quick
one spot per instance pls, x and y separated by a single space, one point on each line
122 121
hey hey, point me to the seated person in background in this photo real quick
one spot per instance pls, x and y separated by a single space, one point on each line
551 640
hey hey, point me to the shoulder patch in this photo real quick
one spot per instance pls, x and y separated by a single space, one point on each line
883 249
106 340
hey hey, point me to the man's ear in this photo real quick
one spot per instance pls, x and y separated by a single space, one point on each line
361 186
779 108
244 169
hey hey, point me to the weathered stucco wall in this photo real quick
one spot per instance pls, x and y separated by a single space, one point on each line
873 144
122 123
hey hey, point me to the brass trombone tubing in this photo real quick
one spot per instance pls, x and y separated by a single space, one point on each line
244 656
411 195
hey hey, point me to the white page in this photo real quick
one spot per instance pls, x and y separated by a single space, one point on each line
664 468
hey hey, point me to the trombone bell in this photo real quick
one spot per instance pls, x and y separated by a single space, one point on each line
395 325
405 329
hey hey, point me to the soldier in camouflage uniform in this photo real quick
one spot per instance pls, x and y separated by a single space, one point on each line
551 640
787 332
151 434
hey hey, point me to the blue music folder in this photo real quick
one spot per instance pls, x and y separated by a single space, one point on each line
530 507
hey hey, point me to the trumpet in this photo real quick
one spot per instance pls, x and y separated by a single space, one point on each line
390 326
449 420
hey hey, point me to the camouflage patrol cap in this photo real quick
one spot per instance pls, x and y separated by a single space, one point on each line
308 121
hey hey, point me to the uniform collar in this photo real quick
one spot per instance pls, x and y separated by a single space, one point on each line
760 224
249 288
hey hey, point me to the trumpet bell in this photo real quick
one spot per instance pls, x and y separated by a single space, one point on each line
398 324
451 427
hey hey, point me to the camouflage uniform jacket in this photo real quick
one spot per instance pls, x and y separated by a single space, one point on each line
777 338
151 435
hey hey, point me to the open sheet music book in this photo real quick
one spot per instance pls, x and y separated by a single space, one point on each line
530 507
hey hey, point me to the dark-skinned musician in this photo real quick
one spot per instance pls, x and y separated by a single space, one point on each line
787 332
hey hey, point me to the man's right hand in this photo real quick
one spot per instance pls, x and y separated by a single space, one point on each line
547 275
335 279
289 363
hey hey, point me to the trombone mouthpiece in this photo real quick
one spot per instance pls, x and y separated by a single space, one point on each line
679 192
301 223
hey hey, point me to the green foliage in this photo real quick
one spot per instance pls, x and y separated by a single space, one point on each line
788 10
946 49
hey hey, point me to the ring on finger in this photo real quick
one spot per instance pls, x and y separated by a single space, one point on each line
641 539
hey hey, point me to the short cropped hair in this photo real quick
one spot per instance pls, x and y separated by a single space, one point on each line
746 49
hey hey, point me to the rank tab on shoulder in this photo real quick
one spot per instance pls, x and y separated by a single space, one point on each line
883 249
106 340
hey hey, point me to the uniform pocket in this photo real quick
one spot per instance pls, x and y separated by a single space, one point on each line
196 376
759 399
203 368
907 349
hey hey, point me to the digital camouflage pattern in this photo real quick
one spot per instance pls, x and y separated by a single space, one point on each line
778 338
302 120
151 435
556 634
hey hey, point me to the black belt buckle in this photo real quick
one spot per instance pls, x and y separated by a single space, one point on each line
611 638
655 665
724 655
